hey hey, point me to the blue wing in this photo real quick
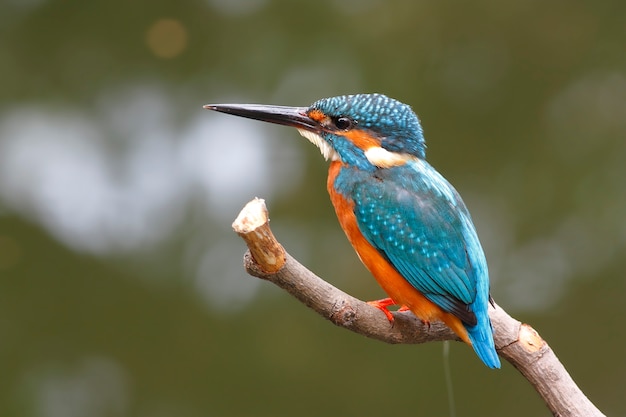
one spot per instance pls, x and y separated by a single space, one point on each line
416 219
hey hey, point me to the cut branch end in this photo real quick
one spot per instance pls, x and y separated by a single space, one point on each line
252 225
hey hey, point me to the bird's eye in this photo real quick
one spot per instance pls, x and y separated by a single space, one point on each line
343 123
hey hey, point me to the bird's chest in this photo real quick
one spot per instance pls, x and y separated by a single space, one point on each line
345 187
373 193
392 211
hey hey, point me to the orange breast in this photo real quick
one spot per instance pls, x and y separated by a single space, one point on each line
394 284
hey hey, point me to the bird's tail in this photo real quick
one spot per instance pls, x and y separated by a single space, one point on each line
481 337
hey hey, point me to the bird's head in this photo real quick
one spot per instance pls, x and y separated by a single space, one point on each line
368 131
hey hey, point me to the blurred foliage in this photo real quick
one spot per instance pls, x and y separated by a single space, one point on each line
121 287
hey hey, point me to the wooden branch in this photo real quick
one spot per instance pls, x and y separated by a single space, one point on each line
516 342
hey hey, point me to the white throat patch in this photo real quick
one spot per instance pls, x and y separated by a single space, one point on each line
382 158
327 151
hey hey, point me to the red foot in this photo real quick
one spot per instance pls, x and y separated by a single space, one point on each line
383 305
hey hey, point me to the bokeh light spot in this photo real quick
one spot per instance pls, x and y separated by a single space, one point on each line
167 38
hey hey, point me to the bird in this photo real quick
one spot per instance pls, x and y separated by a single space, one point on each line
407 223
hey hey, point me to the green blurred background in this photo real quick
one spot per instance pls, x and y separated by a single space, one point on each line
121 286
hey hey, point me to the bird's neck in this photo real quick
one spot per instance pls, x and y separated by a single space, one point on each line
342 178
344 206
333 172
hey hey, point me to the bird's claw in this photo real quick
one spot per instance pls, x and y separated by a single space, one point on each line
384 304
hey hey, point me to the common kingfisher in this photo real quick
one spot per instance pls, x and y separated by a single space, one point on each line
408 225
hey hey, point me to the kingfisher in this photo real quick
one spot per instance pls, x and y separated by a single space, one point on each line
407 223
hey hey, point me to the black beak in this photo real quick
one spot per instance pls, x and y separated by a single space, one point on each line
289 116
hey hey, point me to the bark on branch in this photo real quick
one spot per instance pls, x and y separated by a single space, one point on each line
516 342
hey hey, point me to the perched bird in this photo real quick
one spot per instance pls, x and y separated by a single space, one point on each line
408 225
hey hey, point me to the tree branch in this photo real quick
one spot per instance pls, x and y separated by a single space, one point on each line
516 342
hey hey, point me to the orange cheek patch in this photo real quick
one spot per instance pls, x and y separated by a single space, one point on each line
361 139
